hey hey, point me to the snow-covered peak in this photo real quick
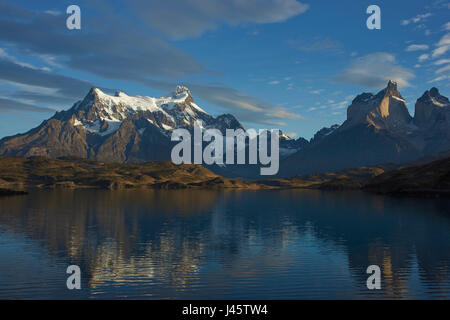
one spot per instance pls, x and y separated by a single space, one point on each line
140 103
181 90
166 112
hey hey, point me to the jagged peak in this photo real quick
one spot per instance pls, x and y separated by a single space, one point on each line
181 90
434 97
363 97
391 90
434 92
392 85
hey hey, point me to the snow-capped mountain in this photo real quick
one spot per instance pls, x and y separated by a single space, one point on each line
103 114
116 127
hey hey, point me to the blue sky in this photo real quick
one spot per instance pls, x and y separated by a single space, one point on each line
288 64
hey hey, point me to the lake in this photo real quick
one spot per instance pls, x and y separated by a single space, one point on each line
188 244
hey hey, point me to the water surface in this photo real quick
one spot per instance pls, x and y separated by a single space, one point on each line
223 245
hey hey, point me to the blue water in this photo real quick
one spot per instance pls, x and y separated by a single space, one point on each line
223 245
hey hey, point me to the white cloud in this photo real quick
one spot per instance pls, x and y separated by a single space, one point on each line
424 57
375 70
442 61
440 78
292 134
272 83
440 51
180 19
446 26
318 91
417 47
443 69
53 12
445 40
442 46
416 19
244 106
5 55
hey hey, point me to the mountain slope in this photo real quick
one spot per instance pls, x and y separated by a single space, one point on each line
375 132
428 179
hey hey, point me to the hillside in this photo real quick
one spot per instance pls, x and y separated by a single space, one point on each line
431 179
416 179
41 172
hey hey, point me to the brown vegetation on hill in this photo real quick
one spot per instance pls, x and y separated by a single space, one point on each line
81 173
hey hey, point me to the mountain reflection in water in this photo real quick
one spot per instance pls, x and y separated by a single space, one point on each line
223 244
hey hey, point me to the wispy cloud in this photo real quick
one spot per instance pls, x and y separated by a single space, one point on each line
180 19
8 106
424 57
442 46
244 106
374 70
130 56
317 44
416 19
441 61
417 47
443 69
125 55
62 85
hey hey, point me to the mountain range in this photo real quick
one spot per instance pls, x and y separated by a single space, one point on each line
378 130
126 129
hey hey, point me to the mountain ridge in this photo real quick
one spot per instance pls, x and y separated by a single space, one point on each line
123 128
378 129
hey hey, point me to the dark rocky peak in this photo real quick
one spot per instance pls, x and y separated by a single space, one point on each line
228 121
363 97
434 97
391 90
322 133
432 110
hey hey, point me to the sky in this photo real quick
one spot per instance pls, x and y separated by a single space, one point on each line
286 64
